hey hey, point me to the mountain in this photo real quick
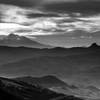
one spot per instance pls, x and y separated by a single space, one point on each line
93 88
57 61
94 46
80 65
88 93
46 81
24 91
60 62
57 85
15 40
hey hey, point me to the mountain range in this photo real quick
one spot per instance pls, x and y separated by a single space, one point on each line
17 41
76 67
59 61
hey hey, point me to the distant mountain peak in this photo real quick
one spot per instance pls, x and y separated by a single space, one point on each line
94 45
17 41
13 37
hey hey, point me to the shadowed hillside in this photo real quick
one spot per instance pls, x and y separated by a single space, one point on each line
14 90
46 81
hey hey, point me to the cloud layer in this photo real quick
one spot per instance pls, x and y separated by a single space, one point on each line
22 3
16 20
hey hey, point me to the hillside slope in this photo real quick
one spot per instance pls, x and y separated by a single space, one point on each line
24 91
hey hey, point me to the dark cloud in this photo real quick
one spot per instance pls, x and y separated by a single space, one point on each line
81 6
57 5
23 3
35 15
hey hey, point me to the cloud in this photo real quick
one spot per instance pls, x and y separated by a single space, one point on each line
59 1
22 3
82 6
40 3
16 20
15 14
71 0
54 1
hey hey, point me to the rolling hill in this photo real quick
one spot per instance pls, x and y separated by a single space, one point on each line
24 91
74 65
55 84
45 81
56 61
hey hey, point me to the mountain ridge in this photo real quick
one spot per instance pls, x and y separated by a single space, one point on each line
46 59
48 81
18 41
24 91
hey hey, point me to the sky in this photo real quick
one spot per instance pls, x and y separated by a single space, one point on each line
65 23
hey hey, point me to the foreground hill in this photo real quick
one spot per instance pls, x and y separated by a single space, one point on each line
15 90
55 84
45 81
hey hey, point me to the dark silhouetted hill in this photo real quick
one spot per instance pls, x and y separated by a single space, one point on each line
95 46
46 81
14 90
